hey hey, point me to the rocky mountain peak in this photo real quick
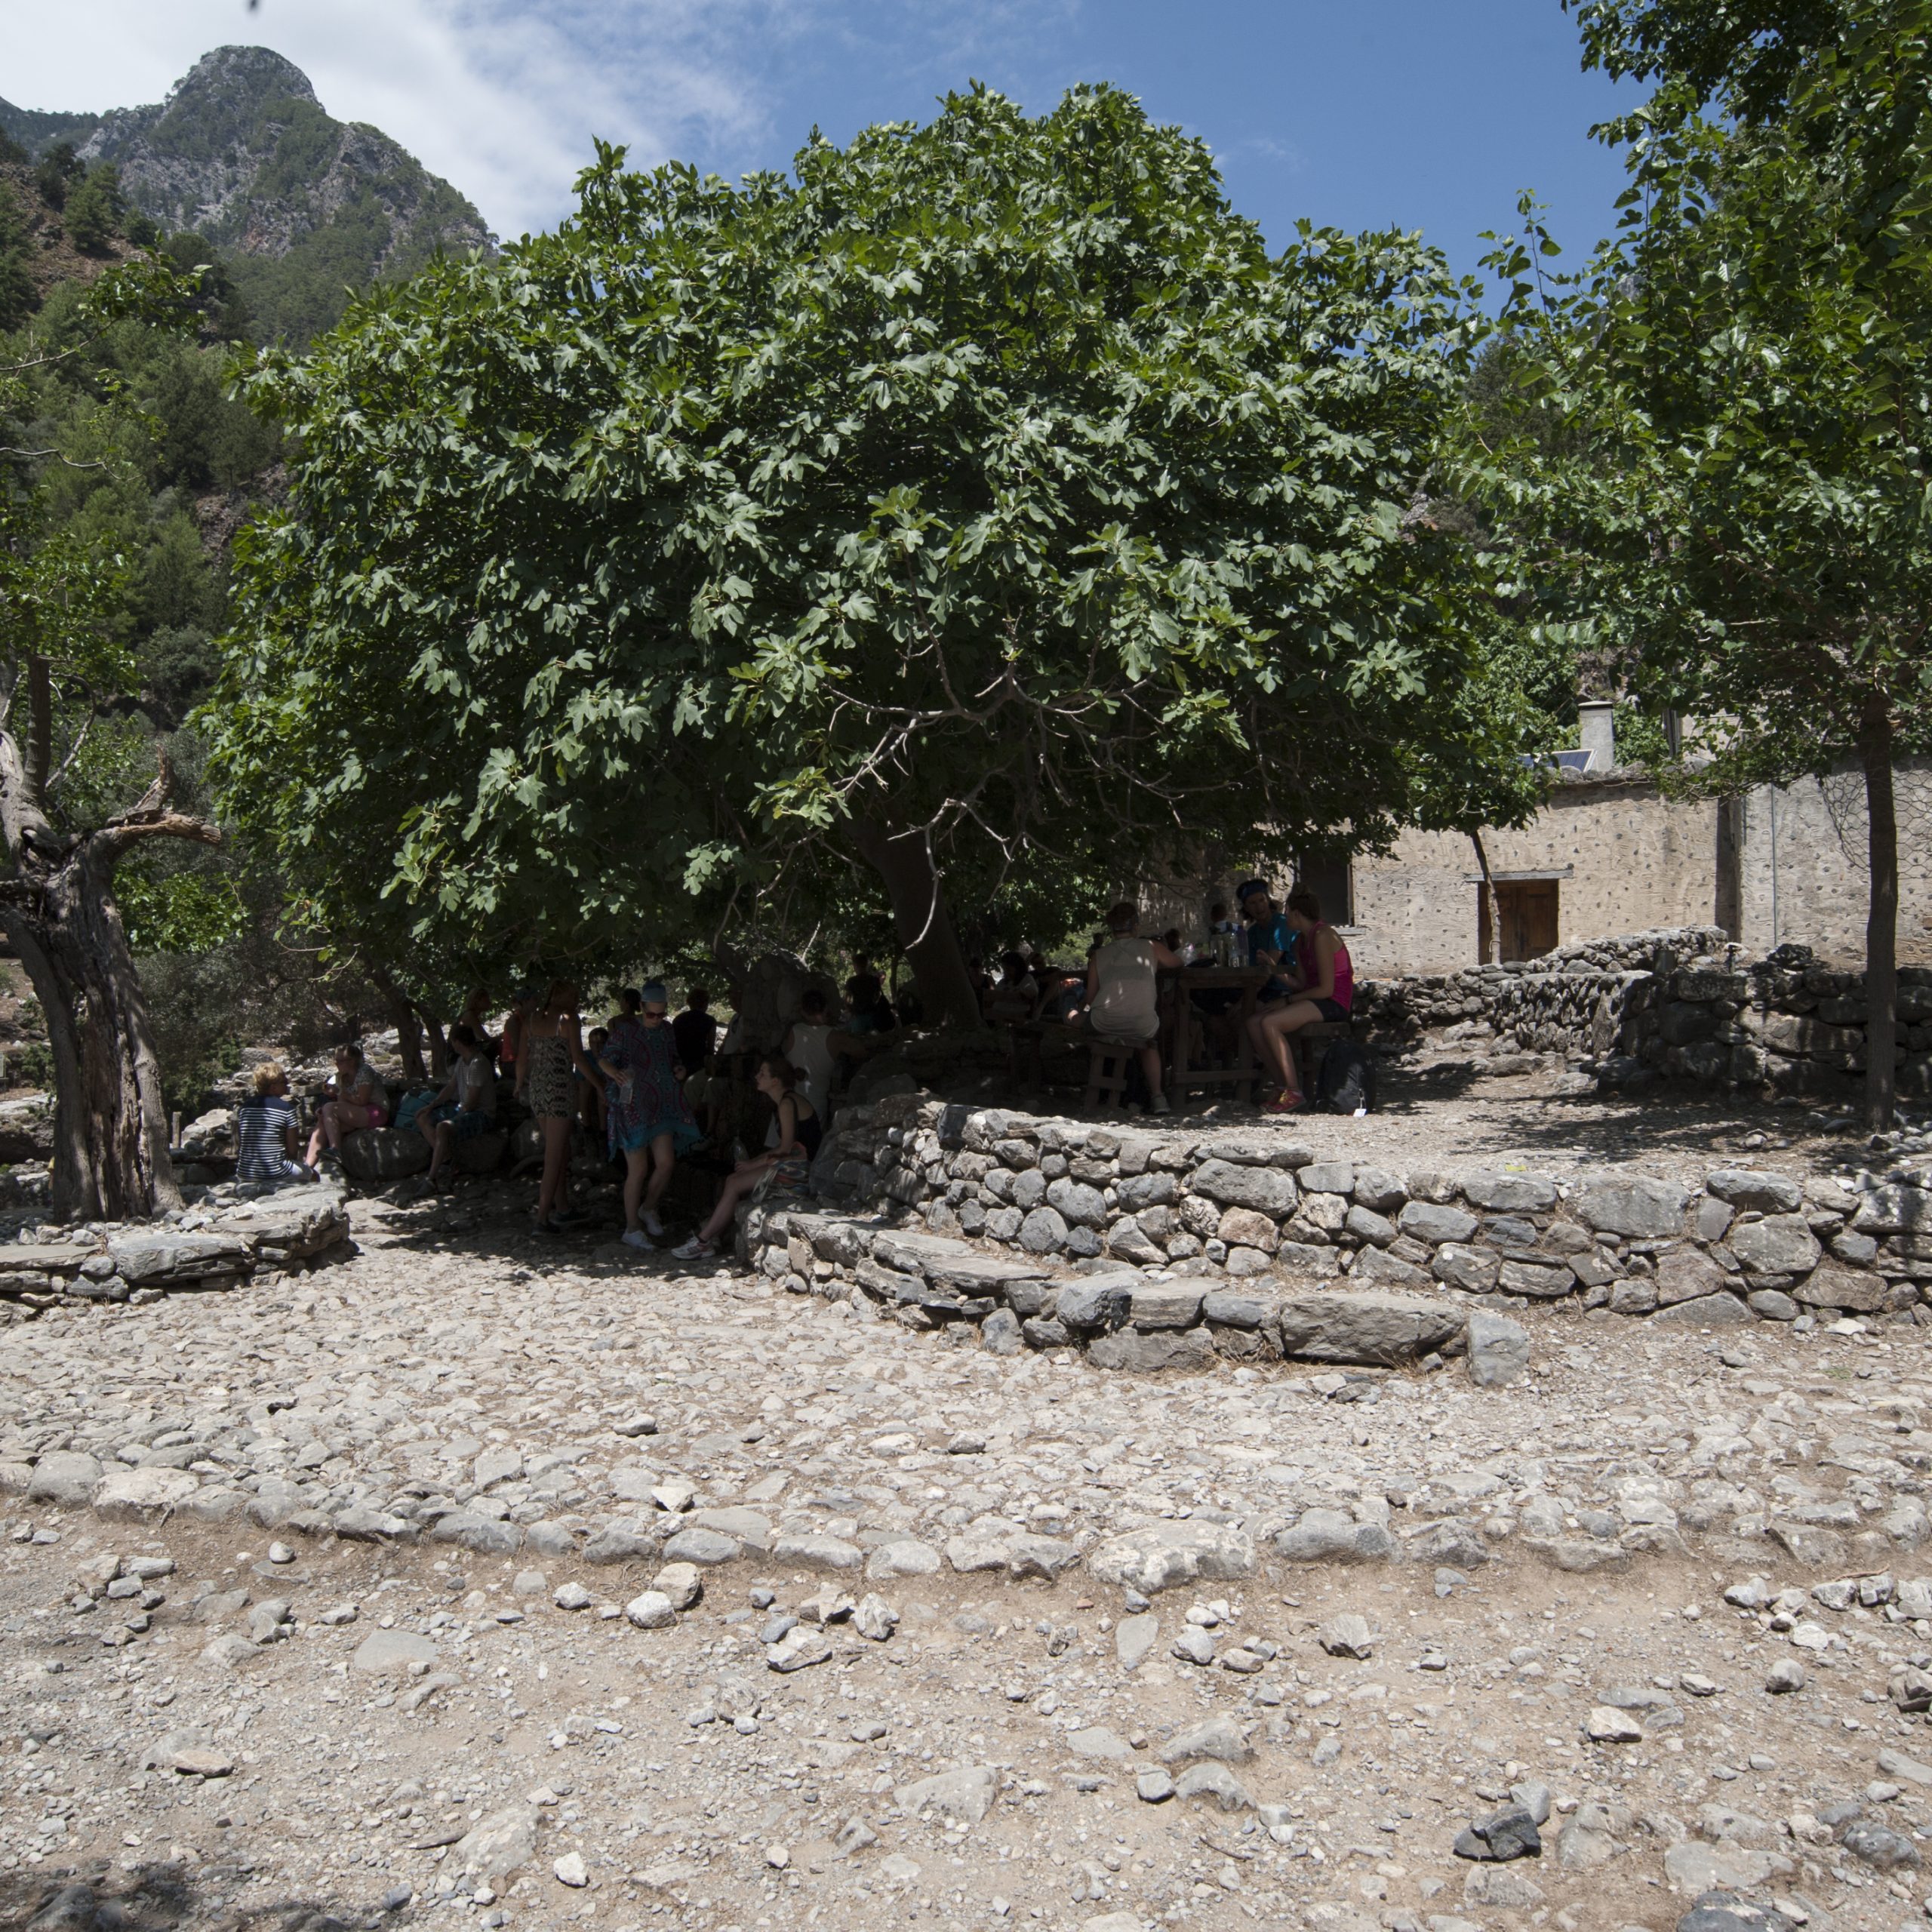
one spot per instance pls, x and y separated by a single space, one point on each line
242 153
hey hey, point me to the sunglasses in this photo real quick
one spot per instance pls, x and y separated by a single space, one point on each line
656 1012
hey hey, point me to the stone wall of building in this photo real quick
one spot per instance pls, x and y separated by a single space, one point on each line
1780 866
1625 860
1803 875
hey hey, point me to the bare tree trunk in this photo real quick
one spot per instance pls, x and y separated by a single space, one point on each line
1881 923
920 918
110 1121
439 1048
407 1023
1486 923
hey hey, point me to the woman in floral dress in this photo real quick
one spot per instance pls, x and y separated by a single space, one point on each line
649 1119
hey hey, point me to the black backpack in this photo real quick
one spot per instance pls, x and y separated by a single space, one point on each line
1345 1084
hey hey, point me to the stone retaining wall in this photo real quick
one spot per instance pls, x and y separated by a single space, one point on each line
1680 1003
138 1260
1049 1232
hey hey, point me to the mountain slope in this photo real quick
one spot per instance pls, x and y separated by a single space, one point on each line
307 207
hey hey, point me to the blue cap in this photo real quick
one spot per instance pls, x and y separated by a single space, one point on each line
656 994
1248 885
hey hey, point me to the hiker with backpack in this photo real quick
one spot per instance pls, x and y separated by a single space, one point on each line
1324 989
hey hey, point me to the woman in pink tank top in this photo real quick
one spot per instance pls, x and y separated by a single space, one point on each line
1327 992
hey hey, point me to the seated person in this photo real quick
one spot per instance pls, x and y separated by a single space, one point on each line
808 1047
1271 941
1015 994
858 1038
799 1132
1063 998
475 1016
1326 992
465 1109
356 1099
266 1132
1122 1007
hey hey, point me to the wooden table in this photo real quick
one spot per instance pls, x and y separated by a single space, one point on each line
1176 983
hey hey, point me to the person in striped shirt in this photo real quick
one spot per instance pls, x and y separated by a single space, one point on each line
267 1130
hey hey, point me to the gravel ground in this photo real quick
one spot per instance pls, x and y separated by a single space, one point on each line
417 1729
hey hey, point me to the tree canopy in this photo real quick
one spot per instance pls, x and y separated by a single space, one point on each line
983 496
1733 504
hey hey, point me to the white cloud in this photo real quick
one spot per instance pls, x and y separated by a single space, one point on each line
501 97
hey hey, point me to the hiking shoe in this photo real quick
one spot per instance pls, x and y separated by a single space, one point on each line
1159 1105
693 1249
636 1237
653 1226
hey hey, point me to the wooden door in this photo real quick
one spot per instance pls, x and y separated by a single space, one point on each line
1526 913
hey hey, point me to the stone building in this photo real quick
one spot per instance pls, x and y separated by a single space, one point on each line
1609 854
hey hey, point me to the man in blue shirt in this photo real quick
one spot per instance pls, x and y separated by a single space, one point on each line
1271 940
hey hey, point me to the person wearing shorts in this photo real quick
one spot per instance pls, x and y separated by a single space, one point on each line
1327 992
1122 1007
360 1100
466 1109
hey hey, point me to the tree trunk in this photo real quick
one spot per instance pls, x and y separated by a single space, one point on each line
1488 938
920 918
110 1122
439 1048
1881 923
408 1025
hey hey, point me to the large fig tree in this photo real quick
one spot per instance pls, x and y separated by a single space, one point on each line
982 495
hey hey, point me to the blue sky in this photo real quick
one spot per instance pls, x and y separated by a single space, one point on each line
1429 114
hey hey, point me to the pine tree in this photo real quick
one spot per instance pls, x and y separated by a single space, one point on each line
95 210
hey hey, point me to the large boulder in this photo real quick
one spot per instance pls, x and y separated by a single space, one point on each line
374 1154
1381 1330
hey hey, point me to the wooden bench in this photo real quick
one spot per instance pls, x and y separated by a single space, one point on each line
1108 1069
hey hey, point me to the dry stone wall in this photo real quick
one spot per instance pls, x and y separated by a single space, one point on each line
250 1233
1681 1004
1154 1250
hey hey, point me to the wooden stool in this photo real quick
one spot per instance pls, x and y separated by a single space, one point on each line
1311 1042
1106 1074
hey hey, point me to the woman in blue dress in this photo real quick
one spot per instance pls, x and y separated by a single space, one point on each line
648 1117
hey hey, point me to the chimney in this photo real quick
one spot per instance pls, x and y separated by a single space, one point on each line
1596 722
